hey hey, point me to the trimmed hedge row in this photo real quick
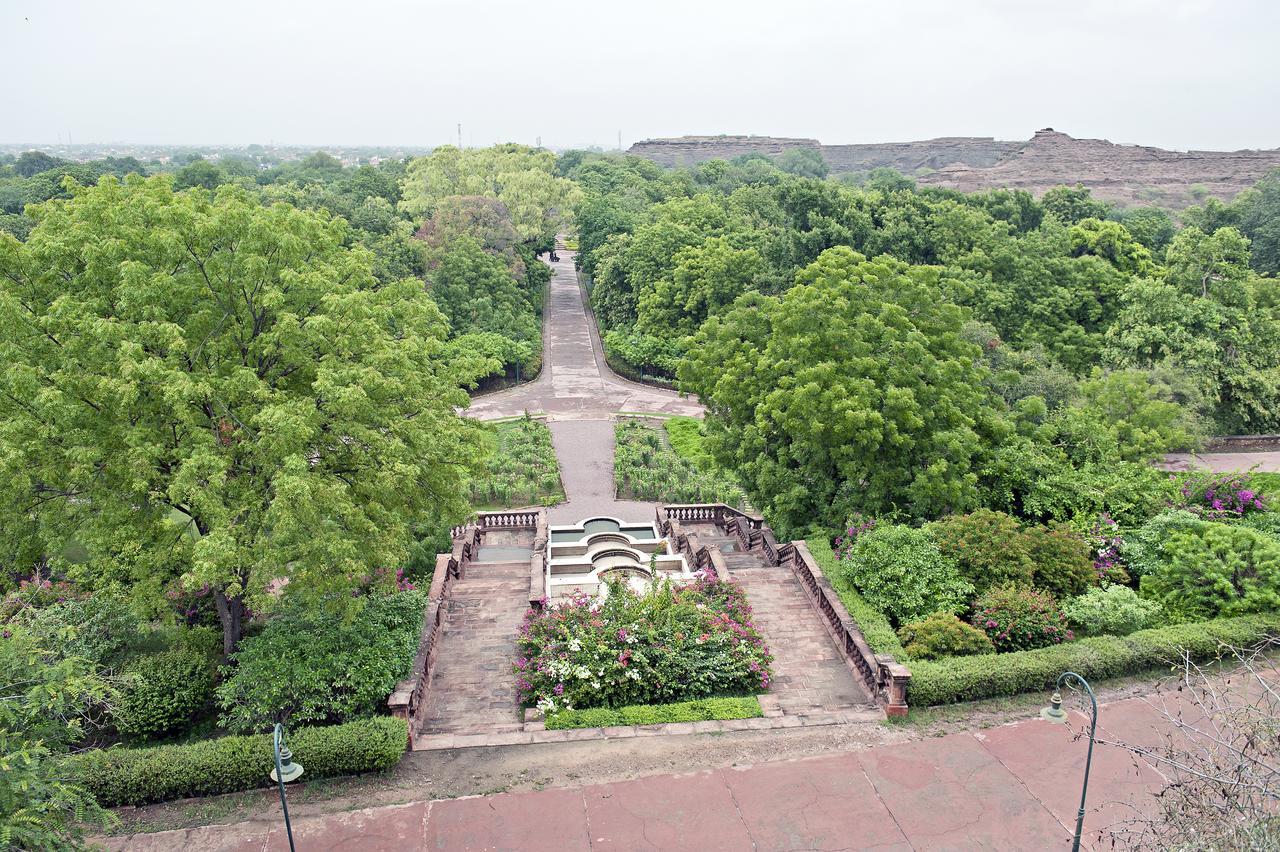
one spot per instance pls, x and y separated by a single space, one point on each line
970 678
699 710
139 776
874 624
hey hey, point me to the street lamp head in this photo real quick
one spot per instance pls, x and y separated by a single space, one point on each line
1054 712
289 771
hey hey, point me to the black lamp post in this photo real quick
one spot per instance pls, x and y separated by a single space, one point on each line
285 770
1055 713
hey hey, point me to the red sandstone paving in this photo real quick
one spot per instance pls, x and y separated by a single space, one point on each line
550 820
395 827
1049 760
694 811
1013 787
951 793
823 803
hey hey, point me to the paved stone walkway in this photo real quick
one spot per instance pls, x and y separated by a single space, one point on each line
1223 462
1012 787
584 449
472 688
575 382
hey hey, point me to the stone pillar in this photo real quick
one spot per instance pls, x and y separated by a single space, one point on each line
897 677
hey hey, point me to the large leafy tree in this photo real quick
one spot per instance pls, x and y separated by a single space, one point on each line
630 265
853 391
476 291
221 391
705 280
1202 317
523 179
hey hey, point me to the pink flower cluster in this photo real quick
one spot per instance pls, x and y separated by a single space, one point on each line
1220 496
671 644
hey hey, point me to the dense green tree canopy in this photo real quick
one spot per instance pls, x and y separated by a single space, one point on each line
212 389
524 179
477 293
706 278
853 391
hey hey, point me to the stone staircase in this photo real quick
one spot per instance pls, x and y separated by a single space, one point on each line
810 676
472 688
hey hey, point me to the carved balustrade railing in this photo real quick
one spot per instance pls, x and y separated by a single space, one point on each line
698 555
526 519
717 513
407 699
883 676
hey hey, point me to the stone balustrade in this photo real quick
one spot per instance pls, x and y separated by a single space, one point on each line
882 676
406 700
527 519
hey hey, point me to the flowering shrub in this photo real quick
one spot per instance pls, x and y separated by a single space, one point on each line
1105 546
943 635
671 644
36 593
1017 618
1220 496
858 525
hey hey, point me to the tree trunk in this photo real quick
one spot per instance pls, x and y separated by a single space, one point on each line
231 614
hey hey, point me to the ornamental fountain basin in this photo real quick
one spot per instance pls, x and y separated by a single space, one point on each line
581 557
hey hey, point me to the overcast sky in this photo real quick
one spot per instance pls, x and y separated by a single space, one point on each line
1174 73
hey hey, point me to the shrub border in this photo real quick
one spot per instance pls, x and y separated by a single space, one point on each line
1100 657
697 710
875 626
139 776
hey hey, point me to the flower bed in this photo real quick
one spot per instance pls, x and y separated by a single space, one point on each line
672 643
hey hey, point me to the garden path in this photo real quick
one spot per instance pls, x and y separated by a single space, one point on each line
575 382
1012 787
1267 462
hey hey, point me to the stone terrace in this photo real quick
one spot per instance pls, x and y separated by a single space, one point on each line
470 696
810 677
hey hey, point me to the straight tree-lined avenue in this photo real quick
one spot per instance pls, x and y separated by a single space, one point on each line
575 382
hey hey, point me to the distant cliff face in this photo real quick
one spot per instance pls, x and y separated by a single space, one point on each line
691 150
1127 174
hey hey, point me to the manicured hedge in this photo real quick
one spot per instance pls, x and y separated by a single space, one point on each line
650 714
969 678
875 626
137 776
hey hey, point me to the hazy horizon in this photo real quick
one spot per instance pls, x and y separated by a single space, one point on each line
1181 74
